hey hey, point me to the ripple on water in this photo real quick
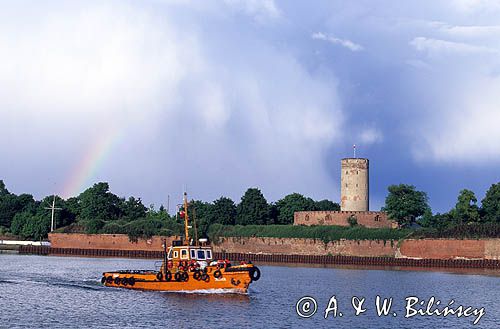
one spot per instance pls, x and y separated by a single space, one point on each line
64 292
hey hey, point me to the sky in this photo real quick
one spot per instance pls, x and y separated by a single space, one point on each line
215 97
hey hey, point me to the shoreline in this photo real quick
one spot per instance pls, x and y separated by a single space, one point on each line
322 260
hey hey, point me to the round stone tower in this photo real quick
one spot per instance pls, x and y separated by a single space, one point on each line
354 181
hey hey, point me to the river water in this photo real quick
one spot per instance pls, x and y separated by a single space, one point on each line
65 292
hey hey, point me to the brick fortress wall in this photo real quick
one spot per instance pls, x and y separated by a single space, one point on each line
372 219
413 249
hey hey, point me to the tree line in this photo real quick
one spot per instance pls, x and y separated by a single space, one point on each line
408 206
97 210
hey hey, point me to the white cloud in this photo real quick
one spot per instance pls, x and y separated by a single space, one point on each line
218 119
337 41
370 136
435 47
261 10
474 6
418 64
467 129
471 31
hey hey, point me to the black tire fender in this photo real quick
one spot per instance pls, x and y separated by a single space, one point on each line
159 276
168 276
217 274
255 273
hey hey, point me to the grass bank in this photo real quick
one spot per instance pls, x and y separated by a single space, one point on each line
323 233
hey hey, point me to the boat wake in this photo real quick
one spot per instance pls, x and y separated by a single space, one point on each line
208 291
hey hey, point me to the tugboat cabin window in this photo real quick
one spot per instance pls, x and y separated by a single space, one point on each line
193 254
169 256
201 254
184 253
176 254
209 254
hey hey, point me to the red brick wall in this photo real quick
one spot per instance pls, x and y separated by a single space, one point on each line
492 249
373 219
443 249
366 248
426 248
105 241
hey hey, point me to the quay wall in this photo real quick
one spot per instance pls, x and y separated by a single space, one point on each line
106 242
488 249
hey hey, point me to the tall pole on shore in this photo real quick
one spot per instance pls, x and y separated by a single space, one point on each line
168 203
53 208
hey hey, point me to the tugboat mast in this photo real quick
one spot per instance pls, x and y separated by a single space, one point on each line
186 219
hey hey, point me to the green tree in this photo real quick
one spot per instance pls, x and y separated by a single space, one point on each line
20 220
160 214
491 204
290 204
98 202
9 206
273 214
405 204
466 209
133 208
253 208
94 225
438 221
200 212
64 216
3 189
37 228
326 205
72 207
223 211
170 226
26 202
143 228
43 212
30 226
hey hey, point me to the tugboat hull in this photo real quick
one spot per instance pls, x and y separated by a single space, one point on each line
231 281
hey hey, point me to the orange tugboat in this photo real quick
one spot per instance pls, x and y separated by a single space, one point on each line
187 266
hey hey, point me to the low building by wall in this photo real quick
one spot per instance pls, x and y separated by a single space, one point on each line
372 219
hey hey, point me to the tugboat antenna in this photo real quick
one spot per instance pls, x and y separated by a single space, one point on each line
195 228
186 218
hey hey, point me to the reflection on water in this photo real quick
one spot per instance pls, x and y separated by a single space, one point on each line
213 296
65 292
471 271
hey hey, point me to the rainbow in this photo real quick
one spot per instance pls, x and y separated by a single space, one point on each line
89 163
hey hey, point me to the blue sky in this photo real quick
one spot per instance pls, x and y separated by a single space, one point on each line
220 96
